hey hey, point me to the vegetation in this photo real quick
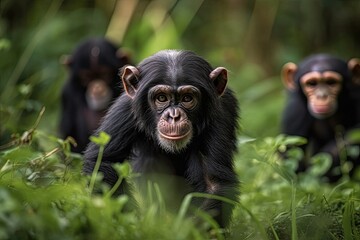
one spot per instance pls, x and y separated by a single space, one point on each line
42 192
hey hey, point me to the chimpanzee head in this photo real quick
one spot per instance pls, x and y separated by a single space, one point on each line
320 79
173 94
93 69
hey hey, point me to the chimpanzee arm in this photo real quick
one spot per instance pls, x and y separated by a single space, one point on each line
216 165
119 123
220 168
296 120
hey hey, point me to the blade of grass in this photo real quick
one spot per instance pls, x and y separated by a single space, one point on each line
159 196
101 141
347 220
183 209
273 231
96 169
294 233
115 187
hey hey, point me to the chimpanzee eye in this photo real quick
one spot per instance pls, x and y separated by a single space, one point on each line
331 82
311 83
161 98
187 98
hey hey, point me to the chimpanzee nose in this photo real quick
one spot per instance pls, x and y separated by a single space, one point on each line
322 94
173 115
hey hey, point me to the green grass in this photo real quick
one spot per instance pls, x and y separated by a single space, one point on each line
43 195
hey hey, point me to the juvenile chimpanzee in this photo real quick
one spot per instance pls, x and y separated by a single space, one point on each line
176 118
323 104
91 88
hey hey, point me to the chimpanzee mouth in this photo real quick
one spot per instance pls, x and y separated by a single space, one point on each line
322 109
174 143
174 137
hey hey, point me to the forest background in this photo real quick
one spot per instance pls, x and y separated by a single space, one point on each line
252 39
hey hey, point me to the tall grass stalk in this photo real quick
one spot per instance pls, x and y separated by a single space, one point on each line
349 223
273 231
116 185
294 233
347 219
162 206
101 141
186 204
96 169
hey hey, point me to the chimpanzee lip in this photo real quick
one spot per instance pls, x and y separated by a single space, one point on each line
321 108
174 137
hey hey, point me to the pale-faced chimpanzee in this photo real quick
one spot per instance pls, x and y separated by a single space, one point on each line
92 86
177 117
323 104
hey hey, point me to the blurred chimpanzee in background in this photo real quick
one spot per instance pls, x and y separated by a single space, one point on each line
323 106
92 86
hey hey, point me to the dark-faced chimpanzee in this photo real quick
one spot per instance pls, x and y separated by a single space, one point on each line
177 118
92 86
323 105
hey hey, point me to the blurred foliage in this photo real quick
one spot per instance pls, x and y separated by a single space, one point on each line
42 192
253 39
44 196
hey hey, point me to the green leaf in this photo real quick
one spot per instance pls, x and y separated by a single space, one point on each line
123 169
295 153
294 140
101 140
245 139
353 136
321 163
20 154
353 151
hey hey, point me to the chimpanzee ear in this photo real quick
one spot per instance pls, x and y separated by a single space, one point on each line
219 78
130 76
123 55
354 67
287 75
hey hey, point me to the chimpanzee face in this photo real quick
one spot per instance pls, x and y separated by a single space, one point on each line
98 81
174 128
94 66
103 73
321 90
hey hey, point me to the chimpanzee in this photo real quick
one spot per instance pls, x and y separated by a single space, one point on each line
90 89
176 118
323 104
